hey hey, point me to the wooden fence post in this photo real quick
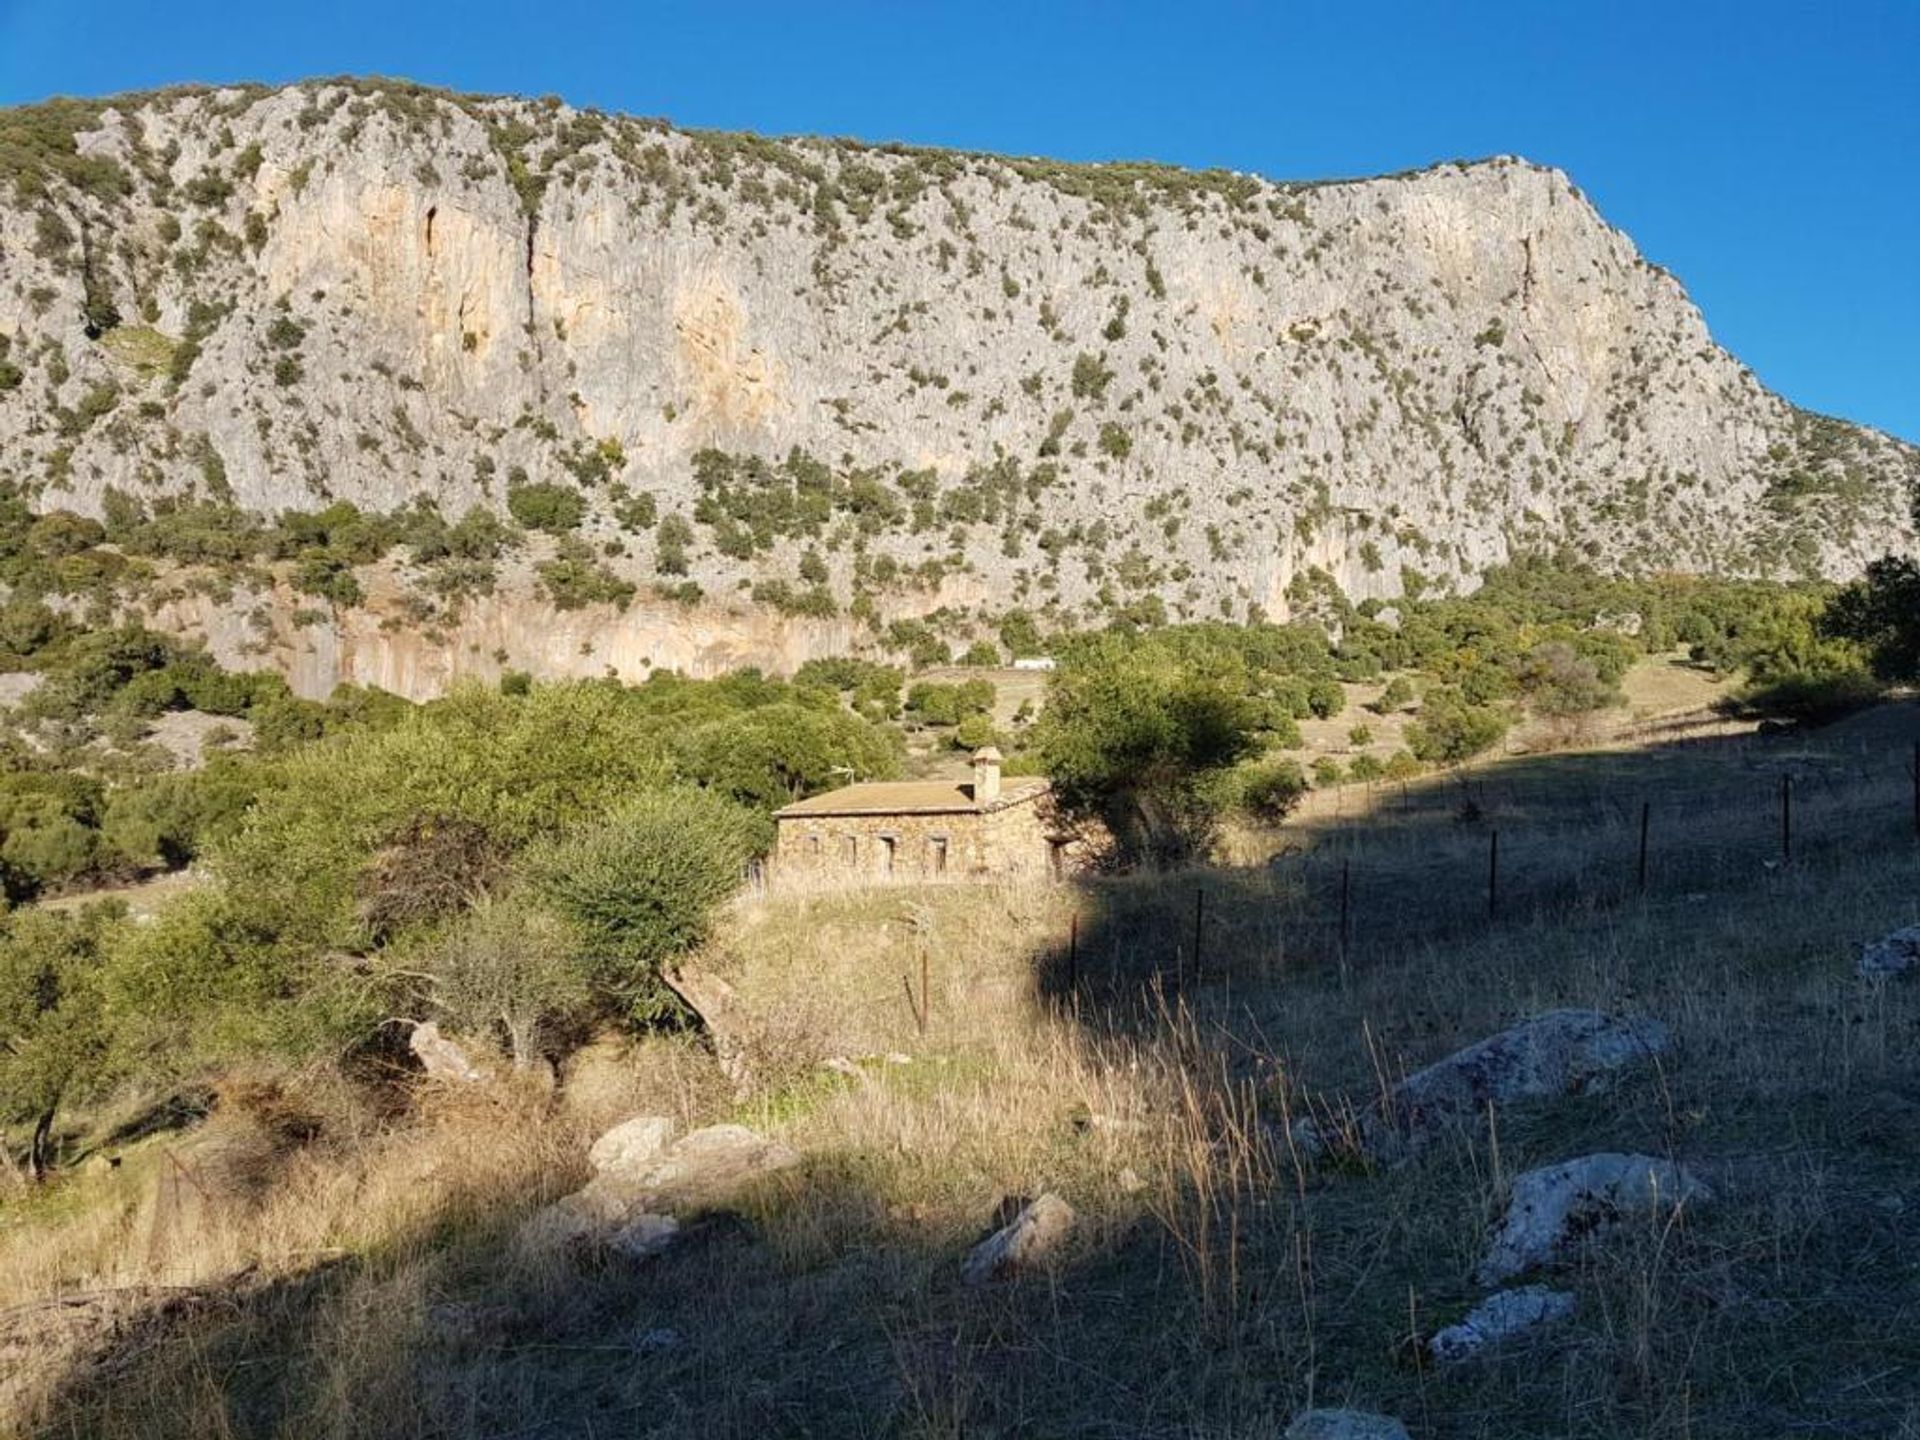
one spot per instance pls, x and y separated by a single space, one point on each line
1199 918
1073 952
1346 912
1646 815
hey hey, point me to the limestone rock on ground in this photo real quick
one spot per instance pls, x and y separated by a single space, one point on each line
440 1057
1560 1052
1028 1239
644 1236
1500 1320
1344 1425
630 1143
1553 1208
1892 954
635 1208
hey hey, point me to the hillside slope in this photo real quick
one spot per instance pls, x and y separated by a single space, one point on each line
923 378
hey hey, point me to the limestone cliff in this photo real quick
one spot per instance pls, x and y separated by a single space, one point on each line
911 376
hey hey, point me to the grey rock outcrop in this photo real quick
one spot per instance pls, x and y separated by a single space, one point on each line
1552 1209
1344 1425
644 1236
369 292
637 1207
1499 1321
442 1059
1560 1052
1029 1239
1892 954
631 1143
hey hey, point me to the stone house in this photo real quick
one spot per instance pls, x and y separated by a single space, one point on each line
924 829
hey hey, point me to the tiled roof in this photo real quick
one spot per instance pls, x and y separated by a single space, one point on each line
913 797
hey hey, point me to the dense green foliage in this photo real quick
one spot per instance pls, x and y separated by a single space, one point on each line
512 863
1881 613
1132 735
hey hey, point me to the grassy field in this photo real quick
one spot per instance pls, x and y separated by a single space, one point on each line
319 1259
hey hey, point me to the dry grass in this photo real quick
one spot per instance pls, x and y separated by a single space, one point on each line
1216 1284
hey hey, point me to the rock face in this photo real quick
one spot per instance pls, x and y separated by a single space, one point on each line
1011 380
1552 1209
1891 955
1501 1320
630 1144
1562 1052
634 1201
1344 1425
440 1057
1028 1239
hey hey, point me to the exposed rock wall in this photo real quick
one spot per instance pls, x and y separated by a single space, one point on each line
1196 387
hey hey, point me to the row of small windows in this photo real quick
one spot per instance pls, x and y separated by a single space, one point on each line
889 847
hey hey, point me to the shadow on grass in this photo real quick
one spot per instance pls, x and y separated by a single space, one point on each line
1223 1288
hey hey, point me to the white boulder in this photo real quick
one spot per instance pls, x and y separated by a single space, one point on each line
1553 1208
1561 1052
1028 1239
630 1143
1499 1320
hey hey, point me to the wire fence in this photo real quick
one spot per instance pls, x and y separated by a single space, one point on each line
1440 862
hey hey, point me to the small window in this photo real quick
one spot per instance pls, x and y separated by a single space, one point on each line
853 849
1056 858
813 845
886 854
937 854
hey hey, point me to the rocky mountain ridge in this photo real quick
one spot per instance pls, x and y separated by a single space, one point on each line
867 382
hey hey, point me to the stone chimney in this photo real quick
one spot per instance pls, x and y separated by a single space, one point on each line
986 776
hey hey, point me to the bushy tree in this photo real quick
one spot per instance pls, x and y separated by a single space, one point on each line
54 1034
1130 735
1397 695
1881 613
640 886
508 968
1452 729
1269 792
1559 682
772 755
1325 698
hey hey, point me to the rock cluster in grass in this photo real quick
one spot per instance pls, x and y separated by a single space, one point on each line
1552 1210
1561 1052
643 1188
1502 1319
1031 1238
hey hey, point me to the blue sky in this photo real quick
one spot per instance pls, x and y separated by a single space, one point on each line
1767 152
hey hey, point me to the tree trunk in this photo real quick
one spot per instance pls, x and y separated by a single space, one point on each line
40 1155
710 998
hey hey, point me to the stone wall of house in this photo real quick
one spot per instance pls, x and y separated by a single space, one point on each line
1013 840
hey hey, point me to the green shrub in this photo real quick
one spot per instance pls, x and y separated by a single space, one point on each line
546 506
1397 696
1452 729
1132 737
510 970
1325 698
640 887
1269 792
